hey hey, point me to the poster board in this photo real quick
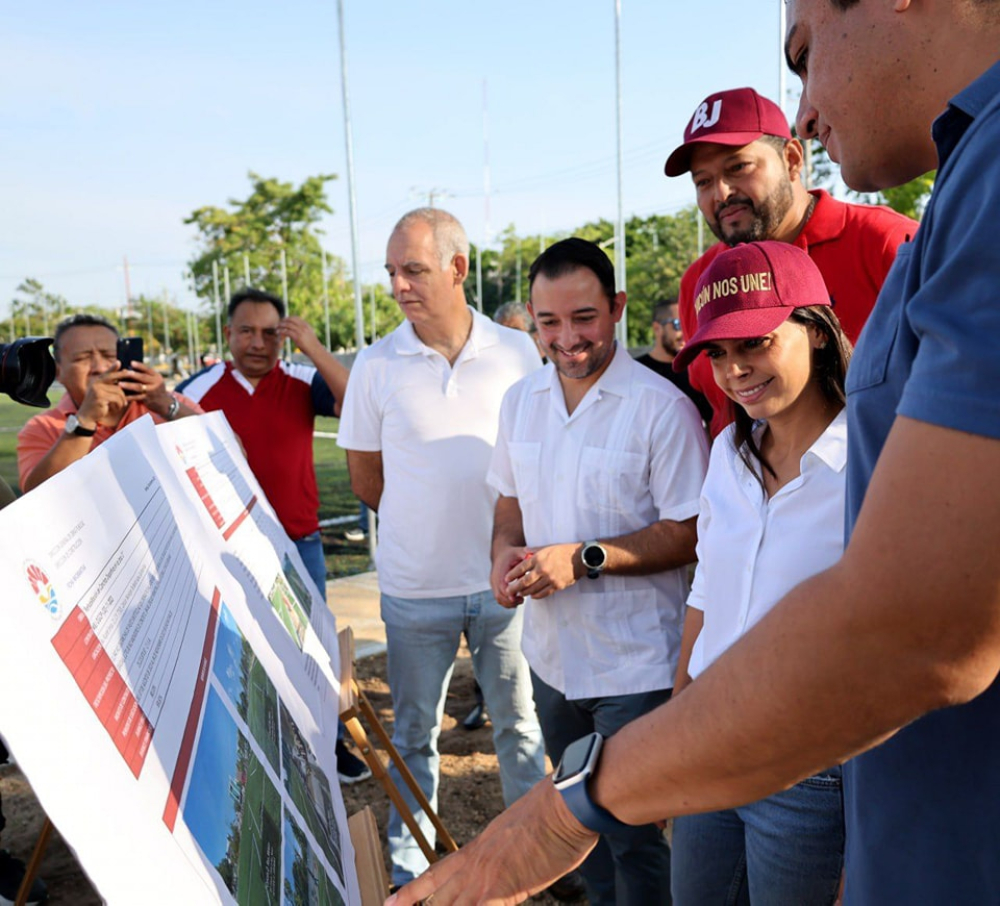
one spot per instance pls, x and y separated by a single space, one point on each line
170 674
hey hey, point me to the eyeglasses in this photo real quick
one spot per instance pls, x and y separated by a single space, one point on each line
675 323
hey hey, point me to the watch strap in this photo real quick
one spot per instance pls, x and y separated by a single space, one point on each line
591 815
75 429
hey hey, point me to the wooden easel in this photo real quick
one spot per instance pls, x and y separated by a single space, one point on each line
354 705
34 863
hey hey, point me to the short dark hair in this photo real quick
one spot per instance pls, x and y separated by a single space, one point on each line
79 320
249 294
570 255
660 309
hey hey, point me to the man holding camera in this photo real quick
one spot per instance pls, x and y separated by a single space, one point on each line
102 396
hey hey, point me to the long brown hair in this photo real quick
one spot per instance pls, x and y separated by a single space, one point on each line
830 363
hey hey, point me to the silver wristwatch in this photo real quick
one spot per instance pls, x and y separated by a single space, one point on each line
594 558
75 429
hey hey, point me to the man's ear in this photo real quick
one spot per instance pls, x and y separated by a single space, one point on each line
794 157
618 307
460 266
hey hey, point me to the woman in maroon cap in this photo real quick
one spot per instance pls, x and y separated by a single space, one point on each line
772 515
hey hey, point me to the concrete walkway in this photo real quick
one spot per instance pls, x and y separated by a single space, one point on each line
354 601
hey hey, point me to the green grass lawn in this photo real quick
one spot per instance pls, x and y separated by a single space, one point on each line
342 557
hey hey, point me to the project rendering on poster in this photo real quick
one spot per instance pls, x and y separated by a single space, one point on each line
176 676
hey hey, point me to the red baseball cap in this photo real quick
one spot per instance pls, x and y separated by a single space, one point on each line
735 117
750 290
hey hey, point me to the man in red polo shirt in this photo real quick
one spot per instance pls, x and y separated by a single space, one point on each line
272 406
746 169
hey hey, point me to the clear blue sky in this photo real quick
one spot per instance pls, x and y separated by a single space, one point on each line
118 119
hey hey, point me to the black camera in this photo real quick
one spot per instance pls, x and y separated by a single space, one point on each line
27 369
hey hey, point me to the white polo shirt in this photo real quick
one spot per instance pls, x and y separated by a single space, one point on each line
435 426
633 452
751 550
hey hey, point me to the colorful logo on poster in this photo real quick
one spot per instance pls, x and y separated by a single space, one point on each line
43 588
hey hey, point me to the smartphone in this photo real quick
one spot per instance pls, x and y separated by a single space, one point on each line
129 351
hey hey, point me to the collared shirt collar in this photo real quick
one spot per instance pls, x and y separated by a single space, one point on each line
830 448
826 222
951 125
484 333
615 379
66 404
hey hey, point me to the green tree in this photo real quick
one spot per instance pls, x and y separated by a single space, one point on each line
910 198
658 250
34 311
251 234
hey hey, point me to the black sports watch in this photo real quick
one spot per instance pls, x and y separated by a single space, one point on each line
594 558
74 428
578 763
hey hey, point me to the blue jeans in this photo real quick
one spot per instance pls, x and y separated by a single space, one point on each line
631 867
310 549
785 850
422 637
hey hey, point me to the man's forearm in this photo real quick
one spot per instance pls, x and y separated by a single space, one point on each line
66 451
333 372
367 478
663 545
508 526
907 622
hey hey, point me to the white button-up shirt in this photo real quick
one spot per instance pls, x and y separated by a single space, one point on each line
632 453
753 550
435 425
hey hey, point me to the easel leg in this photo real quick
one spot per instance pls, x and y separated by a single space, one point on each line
34 863
369 714
357 731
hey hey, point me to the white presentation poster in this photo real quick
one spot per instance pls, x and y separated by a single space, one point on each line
171 676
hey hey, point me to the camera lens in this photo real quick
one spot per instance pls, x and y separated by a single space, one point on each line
27 369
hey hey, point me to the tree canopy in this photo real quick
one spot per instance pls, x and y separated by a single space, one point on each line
247 239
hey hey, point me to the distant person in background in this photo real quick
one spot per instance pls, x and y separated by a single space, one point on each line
668 340
747 174
272 407
516 316
102 396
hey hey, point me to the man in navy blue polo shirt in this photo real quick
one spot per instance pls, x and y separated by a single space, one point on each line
895 651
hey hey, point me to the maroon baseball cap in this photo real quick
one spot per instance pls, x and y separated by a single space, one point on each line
735 117
750 290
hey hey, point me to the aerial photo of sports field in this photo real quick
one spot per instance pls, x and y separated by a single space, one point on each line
299 585
306 881
233 810
243 679
291 613
309 788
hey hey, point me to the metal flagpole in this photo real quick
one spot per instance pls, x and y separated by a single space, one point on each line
621 331
359 323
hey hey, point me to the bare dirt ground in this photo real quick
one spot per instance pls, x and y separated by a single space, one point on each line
469 794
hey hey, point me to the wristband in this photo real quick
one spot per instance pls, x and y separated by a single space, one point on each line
575 769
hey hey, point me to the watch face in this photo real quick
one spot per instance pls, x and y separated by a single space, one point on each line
593 556
577 756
